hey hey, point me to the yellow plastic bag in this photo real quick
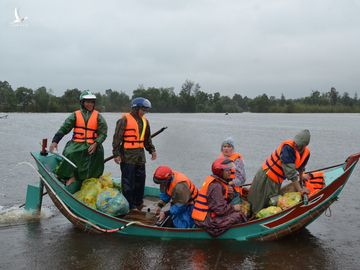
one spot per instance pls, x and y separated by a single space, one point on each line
269 211
289 200
245 208
106 181
89 191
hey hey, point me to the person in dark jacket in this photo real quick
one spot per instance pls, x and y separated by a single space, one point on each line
213 210
85 148
132 135
288 161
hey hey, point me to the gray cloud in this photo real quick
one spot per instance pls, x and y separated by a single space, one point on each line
246 47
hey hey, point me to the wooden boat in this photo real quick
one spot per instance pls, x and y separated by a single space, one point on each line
269 228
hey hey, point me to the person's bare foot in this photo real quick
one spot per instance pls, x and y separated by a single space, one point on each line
70 181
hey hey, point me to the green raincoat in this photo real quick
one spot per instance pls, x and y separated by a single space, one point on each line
88 165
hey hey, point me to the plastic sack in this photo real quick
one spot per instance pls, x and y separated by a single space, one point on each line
289 200
245 208
269 211
117 183
112 202
89 191
106 181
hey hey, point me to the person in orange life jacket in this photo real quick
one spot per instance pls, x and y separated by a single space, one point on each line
288 161
228 152
212 209
85 148
177 188
132 135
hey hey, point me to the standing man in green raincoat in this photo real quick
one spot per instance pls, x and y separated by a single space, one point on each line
85 148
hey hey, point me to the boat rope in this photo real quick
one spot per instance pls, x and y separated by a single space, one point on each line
82 219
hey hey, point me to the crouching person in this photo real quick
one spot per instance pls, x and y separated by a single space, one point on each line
213 210
180 190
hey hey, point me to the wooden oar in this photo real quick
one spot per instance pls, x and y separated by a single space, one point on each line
152 136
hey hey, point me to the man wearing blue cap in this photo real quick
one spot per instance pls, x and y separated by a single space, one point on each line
132 135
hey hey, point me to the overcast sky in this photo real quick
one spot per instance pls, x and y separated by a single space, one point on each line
230 46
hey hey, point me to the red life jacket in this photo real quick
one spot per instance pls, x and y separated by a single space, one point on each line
133 138
316 182
180 177
85 132
201 207
273 164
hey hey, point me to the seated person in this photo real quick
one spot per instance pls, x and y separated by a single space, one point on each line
213 210
180 190
228 152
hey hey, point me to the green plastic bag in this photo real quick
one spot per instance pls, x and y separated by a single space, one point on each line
269 211
112 202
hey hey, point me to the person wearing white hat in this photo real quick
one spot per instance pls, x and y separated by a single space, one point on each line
85 149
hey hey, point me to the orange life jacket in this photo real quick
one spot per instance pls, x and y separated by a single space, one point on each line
85 132
316 182
201 207
234 157
133 138
180 177
273 164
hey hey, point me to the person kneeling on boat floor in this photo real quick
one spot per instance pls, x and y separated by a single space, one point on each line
177 188
288 161
213 210
85 148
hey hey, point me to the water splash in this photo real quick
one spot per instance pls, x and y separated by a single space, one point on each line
24 163
14 215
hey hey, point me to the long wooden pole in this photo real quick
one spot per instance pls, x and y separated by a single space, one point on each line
152 136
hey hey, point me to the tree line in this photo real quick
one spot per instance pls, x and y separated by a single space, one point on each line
191 99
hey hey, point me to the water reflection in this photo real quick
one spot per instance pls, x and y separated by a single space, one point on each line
300 251
57 243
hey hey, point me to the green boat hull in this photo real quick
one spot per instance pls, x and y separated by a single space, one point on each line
270 228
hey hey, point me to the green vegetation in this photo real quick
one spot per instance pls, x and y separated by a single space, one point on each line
191 99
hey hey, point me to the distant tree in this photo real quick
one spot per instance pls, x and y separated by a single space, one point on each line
333 95
7 97
186 99
24 98
260 104
240 102
282 100
70 100
116 101
41 100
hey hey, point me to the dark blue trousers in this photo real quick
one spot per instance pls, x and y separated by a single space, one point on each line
133 183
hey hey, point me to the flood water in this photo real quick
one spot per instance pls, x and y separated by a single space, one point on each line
190 144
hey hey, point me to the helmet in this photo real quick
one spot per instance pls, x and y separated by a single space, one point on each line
87 95
220 165
141 102
162 175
